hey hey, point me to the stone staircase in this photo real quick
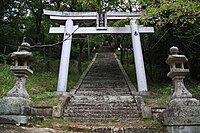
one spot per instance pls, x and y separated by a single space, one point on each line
104 94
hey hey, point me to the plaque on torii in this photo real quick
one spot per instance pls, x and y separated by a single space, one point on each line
101 21
102 17
101 28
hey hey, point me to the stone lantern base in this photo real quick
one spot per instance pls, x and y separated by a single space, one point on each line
182 115
15 110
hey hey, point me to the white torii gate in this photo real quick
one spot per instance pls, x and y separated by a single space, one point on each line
101 28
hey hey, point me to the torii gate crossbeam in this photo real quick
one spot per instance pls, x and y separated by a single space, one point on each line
68 29
93 30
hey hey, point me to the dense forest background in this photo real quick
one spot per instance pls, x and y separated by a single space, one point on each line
176 23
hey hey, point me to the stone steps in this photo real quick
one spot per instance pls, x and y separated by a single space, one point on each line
87 119
104 91
101 75
103 105
100 94
102 110
97 78
88 107
104 99
112 83
103 95
103 86
102 115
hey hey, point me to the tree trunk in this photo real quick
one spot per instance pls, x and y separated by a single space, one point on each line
121 55
38 23
80 58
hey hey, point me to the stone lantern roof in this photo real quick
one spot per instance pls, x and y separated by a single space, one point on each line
174 57
23 53
22 59
176 63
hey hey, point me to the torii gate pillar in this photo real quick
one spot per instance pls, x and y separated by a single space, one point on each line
65 58
138 57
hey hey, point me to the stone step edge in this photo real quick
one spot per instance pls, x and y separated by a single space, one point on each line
106 98
93 111
101 115
99 107
81 119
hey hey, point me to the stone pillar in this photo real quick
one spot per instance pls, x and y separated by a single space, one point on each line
182 114
138 56
19 89
65 58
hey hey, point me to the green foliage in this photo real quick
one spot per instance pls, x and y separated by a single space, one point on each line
130 70
120 23
177 23
74 74
42 84
179 12
44 63
194 88
46 98
164 89
161 90
6 80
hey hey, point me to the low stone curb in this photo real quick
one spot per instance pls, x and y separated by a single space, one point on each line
128 81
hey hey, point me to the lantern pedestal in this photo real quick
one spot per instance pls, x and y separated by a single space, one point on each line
180 90
21 74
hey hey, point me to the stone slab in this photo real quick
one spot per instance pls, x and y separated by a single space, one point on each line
146 112
183 129
183 111
8 128
184 102
15 106
142 93
57 111
14 119
182 120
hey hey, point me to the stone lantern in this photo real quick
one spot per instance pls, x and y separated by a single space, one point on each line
182 114
21 69
16 106
177 73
